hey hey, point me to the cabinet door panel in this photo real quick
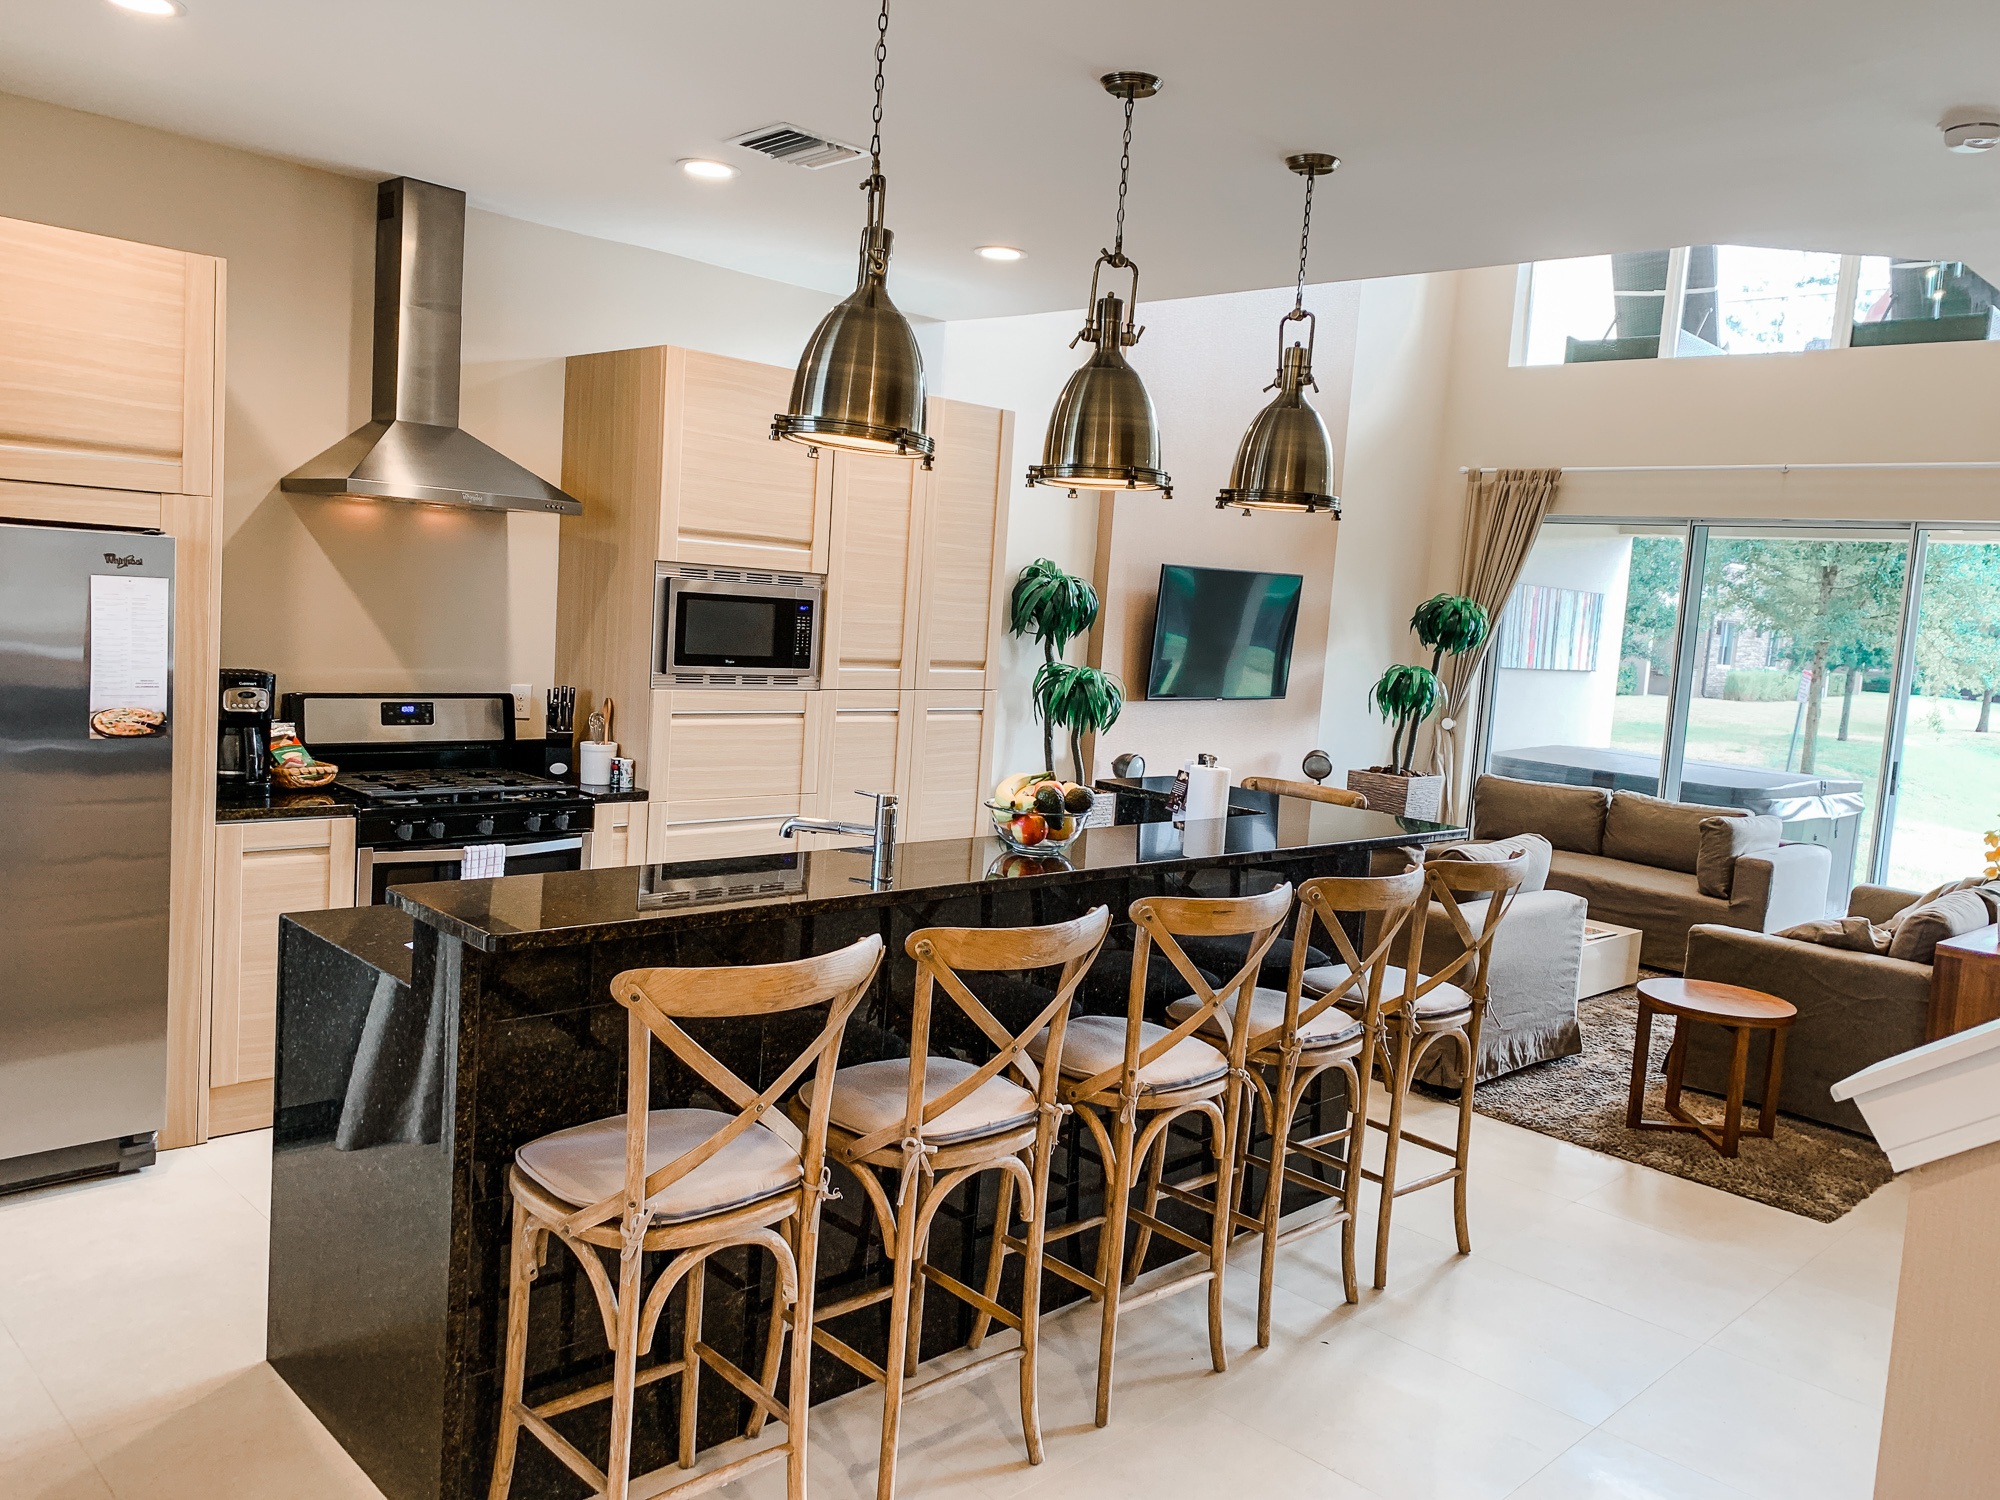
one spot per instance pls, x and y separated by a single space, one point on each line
715 830
618 835
262 871
873 572
963 532
723 743
106 361
950 761
867 749
731 496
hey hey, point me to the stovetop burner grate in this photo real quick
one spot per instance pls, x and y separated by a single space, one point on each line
455 786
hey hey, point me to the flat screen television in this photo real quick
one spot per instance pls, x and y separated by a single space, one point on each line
1222 633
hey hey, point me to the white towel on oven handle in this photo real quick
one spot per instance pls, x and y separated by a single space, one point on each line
483 862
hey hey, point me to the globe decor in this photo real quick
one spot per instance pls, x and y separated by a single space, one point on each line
1405 696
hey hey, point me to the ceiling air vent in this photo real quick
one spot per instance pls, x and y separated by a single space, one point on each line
782 142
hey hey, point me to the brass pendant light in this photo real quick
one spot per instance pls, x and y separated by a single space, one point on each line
1285 462
860 382
1103 434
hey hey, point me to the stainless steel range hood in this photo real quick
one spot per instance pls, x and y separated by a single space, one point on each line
414 449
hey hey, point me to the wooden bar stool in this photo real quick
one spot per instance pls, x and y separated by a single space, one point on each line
1129 1079
1311 791
1433 1010
928 1124
720 1180
1294 1038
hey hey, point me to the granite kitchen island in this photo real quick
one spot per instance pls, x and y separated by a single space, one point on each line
420 1045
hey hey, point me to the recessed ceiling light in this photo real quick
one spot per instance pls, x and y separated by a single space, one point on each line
161 8
706 170
998 252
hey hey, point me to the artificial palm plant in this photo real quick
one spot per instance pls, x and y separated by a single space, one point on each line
1450 625
1054 608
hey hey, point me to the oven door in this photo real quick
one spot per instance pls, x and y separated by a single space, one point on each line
375 870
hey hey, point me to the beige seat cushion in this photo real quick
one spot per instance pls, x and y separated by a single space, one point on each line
1330 1028
1653 831
1445 999
1854 934
1662 904
586 1163
1096 1043
1569 817
869 1096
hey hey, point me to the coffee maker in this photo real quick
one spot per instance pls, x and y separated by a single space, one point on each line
243 745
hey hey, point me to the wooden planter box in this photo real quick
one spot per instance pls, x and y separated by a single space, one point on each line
1407 796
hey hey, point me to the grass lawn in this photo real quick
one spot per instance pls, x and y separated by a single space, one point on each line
1950 791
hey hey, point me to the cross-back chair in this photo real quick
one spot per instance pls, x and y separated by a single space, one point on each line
1295 1038
1441 1009
690 1182
912 1130
1129 1079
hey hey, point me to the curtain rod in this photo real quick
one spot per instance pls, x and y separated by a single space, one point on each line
1970 464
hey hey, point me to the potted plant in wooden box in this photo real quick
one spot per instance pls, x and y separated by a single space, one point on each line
1406 696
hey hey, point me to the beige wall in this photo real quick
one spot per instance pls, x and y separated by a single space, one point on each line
339 594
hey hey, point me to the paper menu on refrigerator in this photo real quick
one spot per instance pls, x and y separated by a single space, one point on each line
131 654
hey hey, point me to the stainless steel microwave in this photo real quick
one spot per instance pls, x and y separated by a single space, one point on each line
736 627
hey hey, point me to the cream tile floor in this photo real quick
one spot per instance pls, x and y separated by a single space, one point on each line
1616 1334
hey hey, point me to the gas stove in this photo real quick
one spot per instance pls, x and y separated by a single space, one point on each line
435 773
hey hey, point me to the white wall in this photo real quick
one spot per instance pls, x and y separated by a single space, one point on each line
1540 707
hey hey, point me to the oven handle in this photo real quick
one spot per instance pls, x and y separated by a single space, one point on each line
457 856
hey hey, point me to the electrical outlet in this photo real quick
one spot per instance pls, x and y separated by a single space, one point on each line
523 691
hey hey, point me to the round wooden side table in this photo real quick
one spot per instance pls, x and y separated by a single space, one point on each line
1742 1011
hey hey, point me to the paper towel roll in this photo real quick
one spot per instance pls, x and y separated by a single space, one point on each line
1208 792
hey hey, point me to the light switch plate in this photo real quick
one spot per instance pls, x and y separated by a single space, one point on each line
523 692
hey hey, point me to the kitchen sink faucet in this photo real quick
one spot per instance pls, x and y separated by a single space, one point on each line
881 833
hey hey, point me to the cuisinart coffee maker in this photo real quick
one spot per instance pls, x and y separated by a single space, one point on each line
243 747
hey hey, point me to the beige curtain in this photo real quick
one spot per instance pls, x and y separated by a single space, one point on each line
1504 509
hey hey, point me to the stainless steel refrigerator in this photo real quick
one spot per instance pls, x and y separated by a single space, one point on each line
86 745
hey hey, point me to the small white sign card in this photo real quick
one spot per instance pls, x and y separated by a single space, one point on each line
131 650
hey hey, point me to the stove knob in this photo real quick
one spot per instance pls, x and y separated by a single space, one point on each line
534 822
405 831
562 821
435 830
485 825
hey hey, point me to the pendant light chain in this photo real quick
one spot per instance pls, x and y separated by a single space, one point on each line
881 62
1124 177
1305 239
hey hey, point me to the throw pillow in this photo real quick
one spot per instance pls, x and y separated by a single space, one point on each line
1723 840
1919 929
1533 845
1856 934
1644 830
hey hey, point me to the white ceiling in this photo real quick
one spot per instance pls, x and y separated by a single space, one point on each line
1472 133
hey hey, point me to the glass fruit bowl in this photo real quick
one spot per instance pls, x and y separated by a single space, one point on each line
1034 832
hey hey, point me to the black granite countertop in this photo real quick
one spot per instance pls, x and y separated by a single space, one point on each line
239 804
377 935
583 906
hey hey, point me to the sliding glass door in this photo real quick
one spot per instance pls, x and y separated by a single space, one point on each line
1841 678
1947 777
1788 690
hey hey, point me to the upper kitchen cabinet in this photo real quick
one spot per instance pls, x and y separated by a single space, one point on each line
960 613
874 573
108 358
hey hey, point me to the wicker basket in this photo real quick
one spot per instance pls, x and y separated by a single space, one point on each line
1407 796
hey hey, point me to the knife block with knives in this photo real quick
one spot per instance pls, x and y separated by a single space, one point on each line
559 742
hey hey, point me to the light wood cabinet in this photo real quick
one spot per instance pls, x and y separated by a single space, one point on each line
669 451
962 597
951 760
107 362
262 870
618 835
111 404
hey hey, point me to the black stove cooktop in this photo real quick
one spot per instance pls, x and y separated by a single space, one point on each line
429 786
444 808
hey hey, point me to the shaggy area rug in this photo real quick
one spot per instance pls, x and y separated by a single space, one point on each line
1808 1169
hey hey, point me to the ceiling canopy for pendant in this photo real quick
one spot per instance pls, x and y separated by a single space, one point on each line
860 382
1103 434
1285 462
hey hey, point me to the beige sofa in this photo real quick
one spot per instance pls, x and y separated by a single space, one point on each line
1634 858
1854 1008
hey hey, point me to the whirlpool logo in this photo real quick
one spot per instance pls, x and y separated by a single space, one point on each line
127 561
